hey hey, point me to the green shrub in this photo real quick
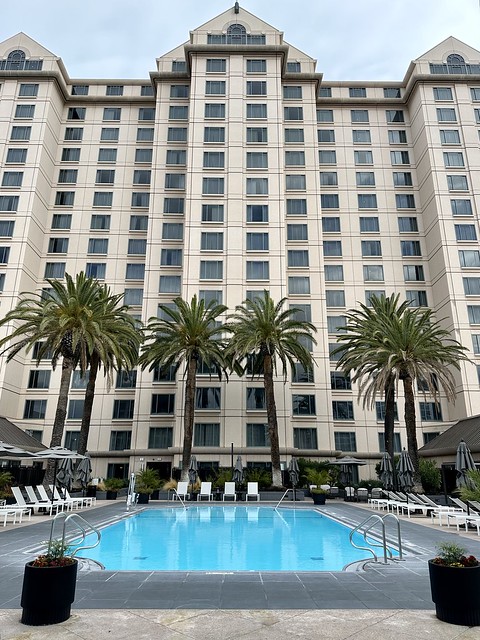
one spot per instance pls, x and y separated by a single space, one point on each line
430 475
472 491
113 484
147 481
264 478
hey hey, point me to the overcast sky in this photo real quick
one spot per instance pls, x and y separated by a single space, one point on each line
351 39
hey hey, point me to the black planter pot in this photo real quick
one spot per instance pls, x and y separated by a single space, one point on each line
48 593
112 495
91 492
319 498
456 593
143 498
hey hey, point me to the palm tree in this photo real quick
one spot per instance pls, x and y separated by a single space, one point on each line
114 344
268 333
63 323
188 334
390 342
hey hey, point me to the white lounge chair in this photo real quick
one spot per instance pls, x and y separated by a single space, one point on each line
36 506
252 491
73 503
229 491
205 491
44 497
16 513
181 491
87 501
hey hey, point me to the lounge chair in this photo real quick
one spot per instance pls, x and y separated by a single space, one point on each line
334 492
45 498
32 496
181 492
73 503
229 491
205 491
349 494
362 494
15 513
87 501
252 491
35 506
459 503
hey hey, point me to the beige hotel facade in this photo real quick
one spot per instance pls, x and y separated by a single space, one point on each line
233 168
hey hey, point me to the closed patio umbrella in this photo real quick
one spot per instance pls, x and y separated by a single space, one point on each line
294 472
238 470
405 471
463 463
192 470
66 472
386 471
83 472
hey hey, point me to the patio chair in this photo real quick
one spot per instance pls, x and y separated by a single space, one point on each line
349 494
376 493
35 506
181 491
362 494
73 503
46 499
229 491
15 513
205 491
32 496
334 492
86 501
459 503
252 491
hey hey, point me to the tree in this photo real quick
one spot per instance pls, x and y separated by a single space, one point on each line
113 344
187 335
391 342
64 323
267 334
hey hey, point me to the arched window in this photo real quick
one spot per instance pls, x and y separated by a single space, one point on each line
455 58
236 34
16 60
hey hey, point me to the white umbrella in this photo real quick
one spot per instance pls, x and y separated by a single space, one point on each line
56 454
463 463
10 451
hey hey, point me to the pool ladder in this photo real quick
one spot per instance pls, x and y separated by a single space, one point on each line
81 524
285 495
366 527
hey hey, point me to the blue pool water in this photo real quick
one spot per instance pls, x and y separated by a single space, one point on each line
230 538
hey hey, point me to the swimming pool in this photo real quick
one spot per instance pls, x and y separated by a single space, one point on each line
225 538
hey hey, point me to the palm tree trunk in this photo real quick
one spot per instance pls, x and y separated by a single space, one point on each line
272 420
189 411
411 425
88 404
389 424
60 413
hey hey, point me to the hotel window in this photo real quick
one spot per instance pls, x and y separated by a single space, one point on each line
170 284
25 111
214 134
256 88
296 182
302 375
294 158
39 379
453 159
294 136
296 207
105 176
293 113
146 113
215 87
299 285
257 186
397 446
395 115
75 409
9 203
327 157
324 115
371 248
144 156
172 231
58 245
363 157
76 113
4 255
212 186
475 93
175 181
326 136
257 241
137 247
361 136
64 198
123 409
6 228
138 223
345 440
342 410
256 66
111 113
174 206
333 273
136 270
293 67
302 312
449 136
413 273
207 295
430 411
399 157
215 110
67 176
328 178
335 298
297 232
373 273
140 199
369 225
323 92
446 115
257 435
465 232
442 93
141 176
96 270
216 65
13 179
168 258
397 136
357 92
473 314
461 207
109 134
469 258
211 241
179 66
23 133
208 398
109 155
178 112
17 156
28 90
98 245
359 115
120 440
80 89
373 293
211 269
54 270
405 201
416 298
303 405
475 345
339 381
257 270
174 134
305 438
297 258
100 222
257 213
212 212
402 179
133 297
256 111
367 201
144 134
407 225
34 409
457 183
332 248
336 324
410 248
329 201
206 434
471 286
114 90
257 160
365 179
257 135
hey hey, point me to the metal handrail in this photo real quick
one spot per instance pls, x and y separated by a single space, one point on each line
81 524
178 496
281 499
373 520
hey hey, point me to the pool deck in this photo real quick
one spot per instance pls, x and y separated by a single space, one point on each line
383 601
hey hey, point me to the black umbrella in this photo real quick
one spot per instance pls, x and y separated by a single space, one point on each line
66 473
192 470
463 463
83 472
294 472
405 471
238 470
346 463
386 471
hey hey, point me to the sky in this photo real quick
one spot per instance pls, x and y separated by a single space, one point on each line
350 39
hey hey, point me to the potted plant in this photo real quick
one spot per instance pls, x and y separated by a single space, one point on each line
317 478
455 585
49 586
319 495
113 486
147 481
